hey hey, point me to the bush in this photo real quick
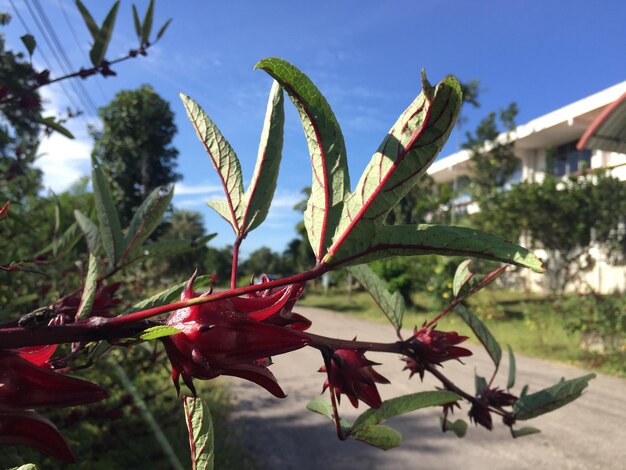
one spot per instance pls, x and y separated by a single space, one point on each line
601 320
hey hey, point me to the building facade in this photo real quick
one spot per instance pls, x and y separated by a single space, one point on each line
566 132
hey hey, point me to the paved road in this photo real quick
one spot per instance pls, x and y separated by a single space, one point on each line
587 434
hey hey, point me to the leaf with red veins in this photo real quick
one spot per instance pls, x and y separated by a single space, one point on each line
260 192
403 157
26 427
224 161
330 181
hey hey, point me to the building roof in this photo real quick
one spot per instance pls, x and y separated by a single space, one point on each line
608 130
558 127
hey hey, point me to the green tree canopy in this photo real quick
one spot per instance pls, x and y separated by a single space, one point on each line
566 217
19 124
135 146
493 158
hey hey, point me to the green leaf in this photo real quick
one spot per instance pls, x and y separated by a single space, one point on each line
89 289
551 398
158 331
459 427
51 123
470 283
137 23
524 391
461 277
30 43
324 408
163 29
201 435
164 248
482 333
101 41
147 217
224 161
512 369
480 383
526 431
90 230
63 244
110 231
404 404
402 158
383 437
260 193
331 181
88 19
146 27
392 305
28 466
167 296
409 240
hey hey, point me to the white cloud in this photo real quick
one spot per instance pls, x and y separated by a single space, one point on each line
63 160
191 203
183 189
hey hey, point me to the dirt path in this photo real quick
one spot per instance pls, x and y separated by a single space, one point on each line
587 434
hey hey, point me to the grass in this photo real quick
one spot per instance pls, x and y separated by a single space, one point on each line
541 334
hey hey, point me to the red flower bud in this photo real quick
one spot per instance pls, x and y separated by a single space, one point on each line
352 374
37 355
25 427
24 385
428 346
228 337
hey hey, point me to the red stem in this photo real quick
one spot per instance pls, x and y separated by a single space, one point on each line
233 269
130 325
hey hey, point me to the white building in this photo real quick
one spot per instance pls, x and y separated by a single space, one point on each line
591 131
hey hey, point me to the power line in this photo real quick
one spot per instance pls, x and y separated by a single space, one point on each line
79 45
43 55
59 52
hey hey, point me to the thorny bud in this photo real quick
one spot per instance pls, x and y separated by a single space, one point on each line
428 346
353 375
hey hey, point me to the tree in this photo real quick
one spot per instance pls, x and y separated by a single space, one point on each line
184 225
135 146
19 124
263 261
565 217
493 157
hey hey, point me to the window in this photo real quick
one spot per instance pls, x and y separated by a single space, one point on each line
566 159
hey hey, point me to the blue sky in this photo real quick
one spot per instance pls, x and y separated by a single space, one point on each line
365 56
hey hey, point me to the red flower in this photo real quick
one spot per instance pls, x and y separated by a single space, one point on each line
352 374
489 397
24 385
231 337
429 346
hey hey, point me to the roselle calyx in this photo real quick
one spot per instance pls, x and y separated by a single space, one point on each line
352 374
26 427
233 337
25 385
428 347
